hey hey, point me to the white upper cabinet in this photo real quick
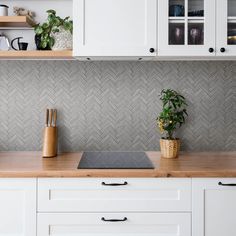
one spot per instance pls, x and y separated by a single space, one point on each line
115 28
18 207
226 27
186 27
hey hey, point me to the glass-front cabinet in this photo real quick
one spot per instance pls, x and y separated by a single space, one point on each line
186 27
226 27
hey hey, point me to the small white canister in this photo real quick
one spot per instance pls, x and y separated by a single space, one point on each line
3 10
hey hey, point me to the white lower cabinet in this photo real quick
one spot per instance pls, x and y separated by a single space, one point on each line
110 224
114 195
17 207
214 207
114 206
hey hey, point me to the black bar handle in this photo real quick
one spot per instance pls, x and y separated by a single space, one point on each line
114 220
220 183
115 184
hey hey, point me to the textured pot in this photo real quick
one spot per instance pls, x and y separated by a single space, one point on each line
63 40
169 148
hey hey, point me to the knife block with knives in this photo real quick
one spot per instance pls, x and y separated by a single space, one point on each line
50 134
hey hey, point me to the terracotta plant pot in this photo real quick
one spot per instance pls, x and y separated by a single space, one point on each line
169 148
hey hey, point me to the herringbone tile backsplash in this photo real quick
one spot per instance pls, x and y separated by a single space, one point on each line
113 105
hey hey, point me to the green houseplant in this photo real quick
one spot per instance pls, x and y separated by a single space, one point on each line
45 32
172 117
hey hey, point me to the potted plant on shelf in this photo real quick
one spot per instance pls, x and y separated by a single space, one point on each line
172 117
55 33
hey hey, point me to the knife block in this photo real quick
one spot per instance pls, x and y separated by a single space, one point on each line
50 142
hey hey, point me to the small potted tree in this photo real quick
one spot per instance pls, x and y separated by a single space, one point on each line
172 117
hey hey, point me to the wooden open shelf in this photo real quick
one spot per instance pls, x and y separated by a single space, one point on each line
16 21
36 55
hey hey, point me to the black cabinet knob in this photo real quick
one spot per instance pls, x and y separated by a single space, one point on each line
151 50
222 50
211 50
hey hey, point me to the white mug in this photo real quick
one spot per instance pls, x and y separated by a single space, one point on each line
3 10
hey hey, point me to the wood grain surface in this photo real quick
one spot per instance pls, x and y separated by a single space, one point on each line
36 54
16 21
31 164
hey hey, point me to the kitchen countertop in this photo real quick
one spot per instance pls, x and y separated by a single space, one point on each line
31 164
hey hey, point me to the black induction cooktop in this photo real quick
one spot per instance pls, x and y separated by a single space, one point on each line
115 160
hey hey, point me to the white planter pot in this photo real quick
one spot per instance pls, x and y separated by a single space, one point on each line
63 40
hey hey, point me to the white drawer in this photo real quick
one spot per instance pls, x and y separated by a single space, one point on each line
91 224
91 195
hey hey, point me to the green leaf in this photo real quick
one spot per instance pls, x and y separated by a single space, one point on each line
51 42
66 18
44 44
55 30
54 21
51 12
67 26
38 30
45 25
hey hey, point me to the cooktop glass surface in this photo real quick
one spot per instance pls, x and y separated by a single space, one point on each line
115 160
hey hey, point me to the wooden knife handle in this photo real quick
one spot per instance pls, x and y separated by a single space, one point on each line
47 116
55 117
50 117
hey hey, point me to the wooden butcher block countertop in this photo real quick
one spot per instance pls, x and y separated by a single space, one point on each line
205 164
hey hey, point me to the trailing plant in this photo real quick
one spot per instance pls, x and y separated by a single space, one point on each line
173 112
52 25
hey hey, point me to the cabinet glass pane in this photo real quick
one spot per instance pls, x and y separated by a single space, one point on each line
176 8
196 8
176 34
231 7
195 33
232 33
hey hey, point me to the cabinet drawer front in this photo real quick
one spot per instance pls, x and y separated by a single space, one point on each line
91 224
106 195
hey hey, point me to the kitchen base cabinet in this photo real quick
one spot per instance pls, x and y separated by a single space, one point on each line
214 207
111 224
18 207
114 195
164 206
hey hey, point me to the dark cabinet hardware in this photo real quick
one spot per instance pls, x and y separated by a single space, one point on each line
114 220
114 184
222 50
221 184
211 50
151 50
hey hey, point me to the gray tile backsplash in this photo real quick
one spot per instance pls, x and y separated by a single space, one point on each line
113 105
